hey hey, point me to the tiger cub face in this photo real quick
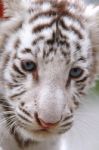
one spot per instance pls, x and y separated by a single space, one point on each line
46 67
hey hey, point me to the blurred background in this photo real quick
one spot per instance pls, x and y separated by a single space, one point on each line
92 1
96 89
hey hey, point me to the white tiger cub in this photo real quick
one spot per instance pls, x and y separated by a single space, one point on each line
48 60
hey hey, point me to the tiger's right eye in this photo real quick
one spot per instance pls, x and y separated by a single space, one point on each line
76 72
28 65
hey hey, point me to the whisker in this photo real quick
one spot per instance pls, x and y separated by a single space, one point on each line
7 114
10 123
15 127
2 122
6 106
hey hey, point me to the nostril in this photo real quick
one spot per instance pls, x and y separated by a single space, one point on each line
44 124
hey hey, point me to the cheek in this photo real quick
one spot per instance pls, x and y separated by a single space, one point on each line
28 107
7 75
26 101
83 87
28 82
73 98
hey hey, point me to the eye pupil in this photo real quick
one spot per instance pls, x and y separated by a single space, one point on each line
29 66
76 72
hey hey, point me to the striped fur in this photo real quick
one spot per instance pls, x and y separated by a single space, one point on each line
55 35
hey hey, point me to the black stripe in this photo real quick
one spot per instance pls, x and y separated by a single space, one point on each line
68 82
64 130
76 31
82 93
64 26
37 40
6 60
52 39
17 43
82 87
18 94
62 36
39 28
18 70
41 14
81 59
68 117
65 41
15 78
74 17
64 53
24 118
12 85
75 100
27 113
78 46
82 80
76 103
67 124
26 50
6 106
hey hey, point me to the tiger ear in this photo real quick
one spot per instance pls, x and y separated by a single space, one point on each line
14 11
11 7
15 7
92 14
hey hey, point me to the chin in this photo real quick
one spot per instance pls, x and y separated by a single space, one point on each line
36 135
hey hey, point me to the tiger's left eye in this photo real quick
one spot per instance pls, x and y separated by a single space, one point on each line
29 65
76 72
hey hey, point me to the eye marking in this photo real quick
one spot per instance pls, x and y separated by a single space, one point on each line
29 65
76 72
81 59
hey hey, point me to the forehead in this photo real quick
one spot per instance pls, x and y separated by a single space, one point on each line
48 33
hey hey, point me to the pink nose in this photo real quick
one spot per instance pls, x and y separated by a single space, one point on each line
43 124
47 125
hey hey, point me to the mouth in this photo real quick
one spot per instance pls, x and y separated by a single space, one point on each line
41 129
36 131
41 134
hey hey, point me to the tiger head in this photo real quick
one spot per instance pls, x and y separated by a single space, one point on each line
48 61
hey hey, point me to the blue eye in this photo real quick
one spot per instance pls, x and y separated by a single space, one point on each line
29 66
76 72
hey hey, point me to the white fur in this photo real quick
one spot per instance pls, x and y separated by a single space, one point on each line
84 134
49 97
